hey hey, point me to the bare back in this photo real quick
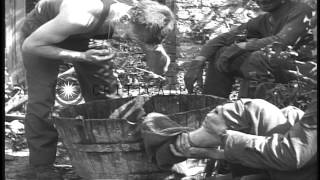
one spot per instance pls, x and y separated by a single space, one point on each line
53 21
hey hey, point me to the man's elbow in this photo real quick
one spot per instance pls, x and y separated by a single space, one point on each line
304 161
303 157
293 164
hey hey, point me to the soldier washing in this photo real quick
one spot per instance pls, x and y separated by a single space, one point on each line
60 30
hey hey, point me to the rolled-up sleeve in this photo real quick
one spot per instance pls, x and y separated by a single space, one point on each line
289 151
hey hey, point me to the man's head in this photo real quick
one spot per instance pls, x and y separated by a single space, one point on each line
151 21
270 5
148 23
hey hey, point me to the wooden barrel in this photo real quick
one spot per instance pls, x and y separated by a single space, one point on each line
102 148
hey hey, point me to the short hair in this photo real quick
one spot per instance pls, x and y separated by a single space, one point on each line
154 20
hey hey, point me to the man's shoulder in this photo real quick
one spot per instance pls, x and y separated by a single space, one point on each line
84 13
43 3
260 18
90 6
301 7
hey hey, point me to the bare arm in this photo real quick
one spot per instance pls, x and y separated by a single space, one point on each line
41 42
70 21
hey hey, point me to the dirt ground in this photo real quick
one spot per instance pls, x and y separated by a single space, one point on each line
16 162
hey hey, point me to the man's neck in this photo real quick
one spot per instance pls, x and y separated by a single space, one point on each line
117 11
276 14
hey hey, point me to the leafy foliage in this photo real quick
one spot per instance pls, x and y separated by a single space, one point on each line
129 62
14 135
298 92
220 19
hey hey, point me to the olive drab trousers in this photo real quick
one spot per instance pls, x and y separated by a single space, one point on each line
96 82
249 65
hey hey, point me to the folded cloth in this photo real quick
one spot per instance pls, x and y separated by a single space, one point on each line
132 111
158 131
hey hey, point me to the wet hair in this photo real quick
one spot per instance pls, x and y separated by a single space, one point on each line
151 21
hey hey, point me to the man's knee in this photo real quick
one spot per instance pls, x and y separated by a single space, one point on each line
293 114
260 108
250 105
266 118
255 65
258 104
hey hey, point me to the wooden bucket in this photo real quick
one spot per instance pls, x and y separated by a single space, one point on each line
102 148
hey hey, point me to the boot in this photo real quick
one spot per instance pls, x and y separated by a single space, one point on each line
47 172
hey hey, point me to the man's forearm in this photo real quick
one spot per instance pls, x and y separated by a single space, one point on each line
53 52
257 44
225 39
213 45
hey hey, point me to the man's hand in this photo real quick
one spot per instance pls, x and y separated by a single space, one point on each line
131 111
242 45
214 122
194 74
98 55
183 148
222 64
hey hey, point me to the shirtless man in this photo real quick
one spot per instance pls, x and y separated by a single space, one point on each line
60 30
